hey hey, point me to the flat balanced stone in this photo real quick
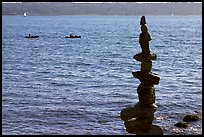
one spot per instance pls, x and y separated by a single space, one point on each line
146 78
140 57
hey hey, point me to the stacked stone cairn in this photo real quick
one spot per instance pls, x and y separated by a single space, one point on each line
139 117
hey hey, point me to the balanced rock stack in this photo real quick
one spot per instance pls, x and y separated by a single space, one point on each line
139 117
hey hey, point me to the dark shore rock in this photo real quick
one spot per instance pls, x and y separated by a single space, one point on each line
181 124
196 111
189 118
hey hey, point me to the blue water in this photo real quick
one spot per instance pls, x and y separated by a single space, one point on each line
53 85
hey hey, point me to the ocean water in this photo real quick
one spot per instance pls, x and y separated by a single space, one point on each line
53 86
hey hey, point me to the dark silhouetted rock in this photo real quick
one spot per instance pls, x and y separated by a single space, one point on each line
146 66
144 37
142 20
144 42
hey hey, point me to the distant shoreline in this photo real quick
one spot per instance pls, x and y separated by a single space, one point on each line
98 15
120 9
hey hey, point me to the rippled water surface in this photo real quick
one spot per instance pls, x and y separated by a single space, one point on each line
53 85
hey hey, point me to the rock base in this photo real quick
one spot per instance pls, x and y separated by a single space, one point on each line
143 127
154 130
138 111
136 125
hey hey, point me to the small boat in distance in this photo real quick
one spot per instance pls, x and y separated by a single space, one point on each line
24 14
29 36
73 36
